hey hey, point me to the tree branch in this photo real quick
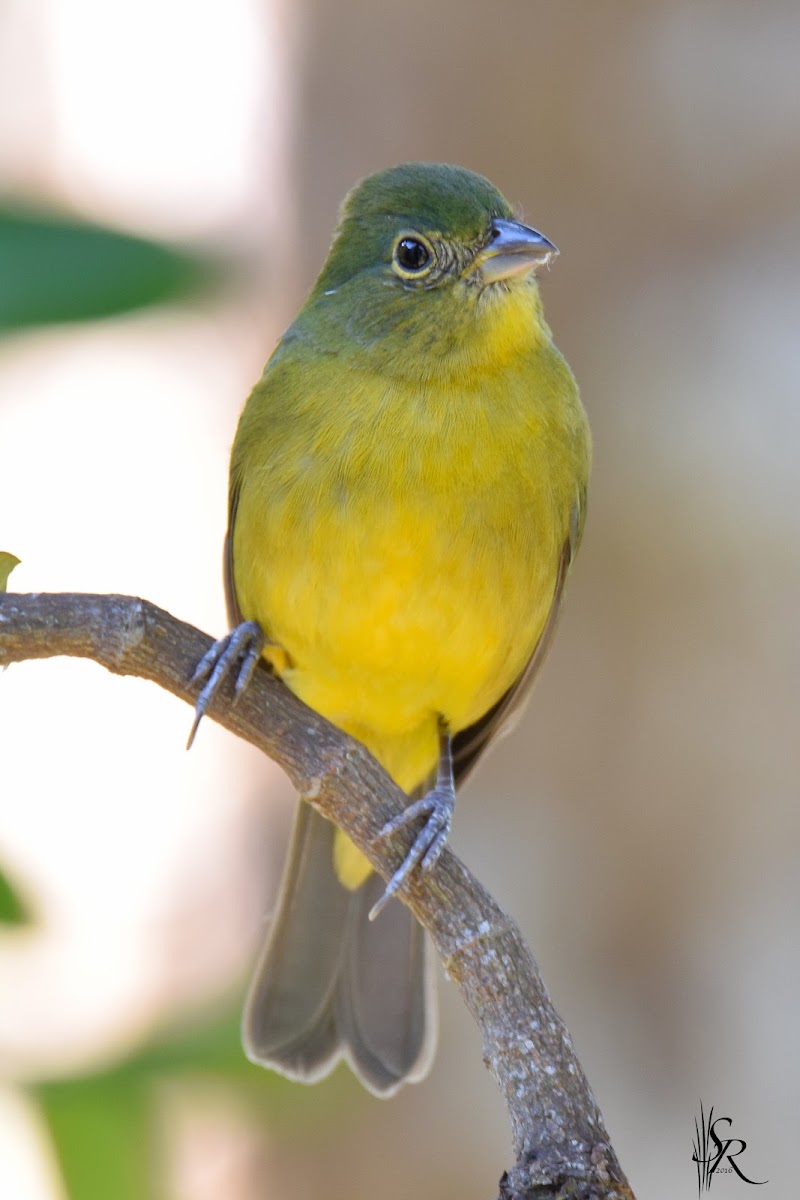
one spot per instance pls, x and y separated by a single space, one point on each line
563 1150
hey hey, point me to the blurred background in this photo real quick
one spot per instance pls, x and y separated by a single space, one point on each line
169 179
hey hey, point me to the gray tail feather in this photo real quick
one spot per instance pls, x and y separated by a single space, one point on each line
331 984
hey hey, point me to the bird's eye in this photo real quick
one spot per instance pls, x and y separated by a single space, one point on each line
412 255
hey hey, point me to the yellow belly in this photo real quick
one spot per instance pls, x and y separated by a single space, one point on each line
395 618
406 564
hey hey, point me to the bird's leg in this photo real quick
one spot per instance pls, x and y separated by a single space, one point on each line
239 652
437 806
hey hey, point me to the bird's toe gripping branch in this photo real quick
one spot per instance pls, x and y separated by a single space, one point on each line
437 807
236 653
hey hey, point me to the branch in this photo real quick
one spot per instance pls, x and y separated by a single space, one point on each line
563 1150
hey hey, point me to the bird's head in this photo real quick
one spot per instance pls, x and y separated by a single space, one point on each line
429 263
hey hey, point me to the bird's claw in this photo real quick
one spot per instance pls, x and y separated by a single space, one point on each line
238 651
437 806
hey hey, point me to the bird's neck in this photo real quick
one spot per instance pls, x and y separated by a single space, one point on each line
446 338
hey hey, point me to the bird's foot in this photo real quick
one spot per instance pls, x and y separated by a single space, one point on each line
239 652
437 806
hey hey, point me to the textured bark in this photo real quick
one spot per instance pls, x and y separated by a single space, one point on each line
563 1150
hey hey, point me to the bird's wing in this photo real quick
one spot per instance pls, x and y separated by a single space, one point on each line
470 743
231 603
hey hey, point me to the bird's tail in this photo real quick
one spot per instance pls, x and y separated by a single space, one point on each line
331 984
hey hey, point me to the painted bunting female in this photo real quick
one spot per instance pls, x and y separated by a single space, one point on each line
407 492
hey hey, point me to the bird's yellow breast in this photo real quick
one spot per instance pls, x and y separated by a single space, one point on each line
400 541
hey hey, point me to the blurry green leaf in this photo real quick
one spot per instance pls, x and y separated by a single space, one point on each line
212 1045
12 910
103 1125
213 1050
55 269
7 564
103 1137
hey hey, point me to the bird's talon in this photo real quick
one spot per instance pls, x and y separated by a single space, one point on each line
206 664
249 664
378 907
437 807
243 646
432 854
408 814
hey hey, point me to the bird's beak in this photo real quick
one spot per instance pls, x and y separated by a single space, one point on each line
513 250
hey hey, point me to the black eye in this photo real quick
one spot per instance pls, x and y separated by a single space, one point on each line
411 254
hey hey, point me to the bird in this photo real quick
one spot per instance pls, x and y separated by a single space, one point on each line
407 494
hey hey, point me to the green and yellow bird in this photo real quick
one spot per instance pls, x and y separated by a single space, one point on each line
407 492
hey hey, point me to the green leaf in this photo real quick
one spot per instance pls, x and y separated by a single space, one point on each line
104 1125
102 1131
7 564
212 1048
54 270
12 909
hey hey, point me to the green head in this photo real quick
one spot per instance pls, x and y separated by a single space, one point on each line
424 253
